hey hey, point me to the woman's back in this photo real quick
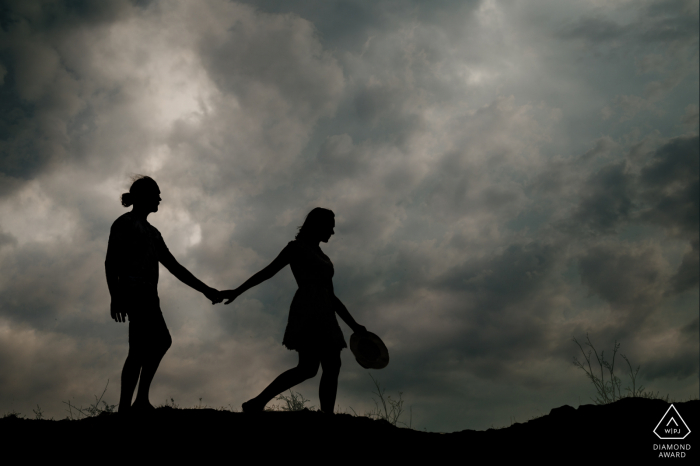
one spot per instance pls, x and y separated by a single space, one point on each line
312 320
310 266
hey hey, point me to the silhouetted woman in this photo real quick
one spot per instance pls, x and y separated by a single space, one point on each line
134 250
312 328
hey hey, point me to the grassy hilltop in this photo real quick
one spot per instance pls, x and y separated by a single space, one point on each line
618 431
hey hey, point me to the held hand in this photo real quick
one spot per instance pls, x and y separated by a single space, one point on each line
230 295
214 296
359 328
117 313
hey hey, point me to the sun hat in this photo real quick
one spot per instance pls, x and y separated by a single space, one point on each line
369 350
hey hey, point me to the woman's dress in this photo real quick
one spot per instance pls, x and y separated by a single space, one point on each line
312 324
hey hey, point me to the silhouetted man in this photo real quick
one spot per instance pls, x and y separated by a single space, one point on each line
134 251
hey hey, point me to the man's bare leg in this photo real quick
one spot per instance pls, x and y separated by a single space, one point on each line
130 376
148 371
156 341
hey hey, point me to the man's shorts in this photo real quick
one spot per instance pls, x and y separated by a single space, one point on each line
147 328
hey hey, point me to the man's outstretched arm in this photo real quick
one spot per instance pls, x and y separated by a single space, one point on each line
186 277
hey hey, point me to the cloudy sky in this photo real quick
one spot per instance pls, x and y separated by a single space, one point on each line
506 176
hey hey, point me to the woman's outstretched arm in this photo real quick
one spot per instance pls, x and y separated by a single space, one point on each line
280 262
344 314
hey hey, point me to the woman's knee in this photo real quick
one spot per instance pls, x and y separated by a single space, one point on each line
331 364
307 371
308 365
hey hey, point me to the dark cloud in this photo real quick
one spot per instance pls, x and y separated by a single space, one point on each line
670 184
510 276
658 21
487 314
47 15
347 25
40 283
690 118
664 191
603 147
273 56
688 275
631 280
659 37
340 23
678 366
668 21
485 212
41 99
676 161
594 30
339 157
689 331
560 176
6 239
680 361
606 201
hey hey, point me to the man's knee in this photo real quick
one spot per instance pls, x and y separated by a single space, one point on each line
164 344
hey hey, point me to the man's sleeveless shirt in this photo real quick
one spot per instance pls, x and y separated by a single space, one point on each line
136 247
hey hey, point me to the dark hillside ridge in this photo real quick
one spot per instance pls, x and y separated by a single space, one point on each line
622 431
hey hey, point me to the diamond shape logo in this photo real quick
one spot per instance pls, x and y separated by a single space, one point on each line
671 426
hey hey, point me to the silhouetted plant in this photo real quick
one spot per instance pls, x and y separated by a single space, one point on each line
228 408
13 413
609 390
605 389
170 404
76 413
634 391
295 402
38 414
390 410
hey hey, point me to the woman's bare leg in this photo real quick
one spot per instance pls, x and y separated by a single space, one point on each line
306 369
328 388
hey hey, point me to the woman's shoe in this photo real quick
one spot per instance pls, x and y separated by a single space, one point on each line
251 406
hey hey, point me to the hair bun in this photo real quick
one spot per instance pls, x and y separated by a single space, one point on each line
142 185
127 199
